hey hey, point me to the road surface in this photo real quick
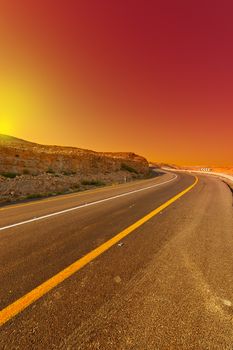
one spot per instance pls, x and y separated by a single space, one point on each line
94 271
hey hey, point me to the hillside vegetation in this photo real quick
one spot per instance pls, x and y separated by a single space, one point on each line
30 170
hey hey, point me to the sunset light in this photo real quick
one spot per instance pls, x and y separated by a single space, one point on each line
108 75
18 105
116 174
6 126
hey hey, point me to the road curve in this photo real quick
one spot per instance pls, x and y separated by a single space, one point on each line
166 285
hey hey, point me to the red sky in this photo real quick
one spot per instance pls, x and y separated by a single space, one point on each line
153 77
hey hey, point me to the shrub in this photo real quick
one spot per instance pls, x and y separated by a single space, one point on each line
10 175
40 195
128 168
75 186
92 183
35 196
68 173
26 172
50 171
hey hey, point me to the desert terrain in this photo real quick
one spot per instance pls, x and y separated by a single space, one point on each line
29 170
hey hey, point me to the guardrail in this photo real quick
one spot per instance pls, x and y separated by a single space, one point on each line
221 175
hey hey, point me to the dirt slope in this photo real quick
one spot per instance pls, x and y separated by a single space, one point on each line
28 169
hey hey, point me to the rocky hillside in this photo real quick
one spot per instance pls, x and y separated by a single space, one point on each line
28 169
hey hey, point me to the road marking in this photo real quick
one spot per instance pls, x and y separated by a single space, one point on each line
83 205
21 304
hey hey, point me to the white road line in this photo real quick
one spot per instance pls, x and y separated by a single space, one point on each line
84 205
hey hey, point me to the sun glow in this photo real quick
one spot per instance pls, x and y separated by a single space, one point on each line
16 104
6 126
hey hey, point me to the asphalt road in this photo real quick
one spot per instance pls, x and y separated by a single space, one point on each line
168 284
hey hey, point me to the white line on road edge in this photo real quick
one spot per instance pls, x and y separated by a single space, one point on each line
84 205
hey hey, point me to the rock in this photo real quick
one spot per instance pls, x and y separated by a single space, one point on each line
117 279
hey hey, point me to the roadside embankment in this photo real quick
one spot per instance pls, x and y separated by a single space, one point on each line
29 170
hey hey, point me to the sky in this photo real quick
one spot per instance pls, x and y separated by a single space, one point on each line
153 77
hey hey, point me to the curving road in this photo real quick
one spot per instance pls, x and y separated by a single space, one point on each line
144 265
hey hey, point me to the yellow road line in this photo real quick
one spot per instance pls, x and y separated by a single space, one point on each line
19 305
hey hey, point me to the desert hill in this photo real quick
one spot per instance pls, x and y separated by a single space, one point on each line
19 156
30 169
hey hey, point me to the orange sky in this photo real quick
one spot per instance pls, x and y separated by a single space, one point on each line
153 77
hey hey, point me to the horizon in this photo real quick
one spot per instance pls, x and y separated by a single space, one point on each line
153 79
129 151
